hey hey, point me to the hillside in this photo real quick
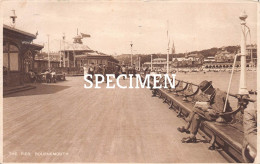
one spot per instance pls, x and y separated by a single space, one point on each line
147 57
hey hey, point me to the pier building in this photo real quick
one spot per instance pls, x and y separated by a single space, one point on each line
77 55
18 55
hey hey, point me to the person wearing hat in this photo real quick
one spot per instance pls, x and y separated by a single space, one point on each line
134 71
123 70
104 72
99 71
212 102
117 70
91 71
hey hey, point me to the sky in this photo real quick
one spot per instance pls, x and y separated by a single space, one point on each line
113 25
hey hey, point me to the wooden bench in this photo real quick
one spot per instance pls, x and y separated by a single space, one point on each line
227 138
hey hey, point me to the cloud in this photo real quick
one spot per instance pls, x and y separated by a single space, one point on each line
112 25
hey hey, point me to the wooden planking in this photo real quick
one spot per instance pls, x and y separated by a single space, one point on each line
95 125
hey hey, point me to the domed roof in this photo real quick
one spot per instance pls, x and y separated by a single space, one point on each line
76 47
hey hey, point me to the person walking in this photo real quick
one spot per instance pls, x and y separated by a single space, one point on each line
100 71
91 71
85 69
104 72
117 69
123 70
134 71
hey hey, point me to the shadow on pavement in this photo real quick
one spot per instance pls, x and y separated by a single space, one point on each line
202 141
39 90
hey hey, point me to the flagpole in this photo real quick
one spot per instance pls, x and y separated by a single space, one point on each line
168 47
168 60
60 53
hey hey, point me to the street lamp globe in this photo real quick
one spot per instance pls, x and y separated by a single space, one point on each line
243 17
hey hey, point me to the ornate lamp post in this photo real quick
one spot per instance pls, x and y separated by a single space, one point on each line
168 59
245 30
63 38
49 64
151 62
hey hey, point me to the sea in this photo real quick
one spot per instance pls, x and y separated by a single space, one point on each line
221 80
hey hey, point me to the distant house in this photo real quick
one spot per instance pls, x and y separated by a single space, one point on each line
224 56
175 63
96 58
209 59
157 63
190 60
251 54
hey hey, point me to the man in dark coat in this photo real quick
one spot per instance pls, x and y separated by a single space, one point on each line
117 70
91 71
207 110
250 133
100 71
123 70
104 72
134 71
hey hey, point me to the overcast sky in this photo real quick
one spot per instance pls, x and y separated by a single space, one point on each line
113 25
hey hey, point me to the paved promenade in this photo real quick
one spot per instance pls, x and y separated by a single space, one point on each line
64 122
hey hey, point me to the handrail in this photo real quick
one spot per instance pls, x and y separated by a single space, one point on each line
239 96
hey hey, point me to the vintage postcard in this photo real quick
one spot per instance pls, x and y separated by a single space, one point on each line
129 81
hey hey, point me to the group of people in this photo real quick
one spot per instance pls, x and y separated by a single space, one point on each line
47 75
95 69
125 70
209 107
102 69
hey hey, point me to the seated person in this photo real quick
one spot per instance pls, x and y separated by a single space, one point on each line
32 76
47 75
53 74
250 132
213 103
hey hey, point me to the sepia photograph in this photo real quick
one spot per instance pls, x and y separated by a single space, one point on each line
140 81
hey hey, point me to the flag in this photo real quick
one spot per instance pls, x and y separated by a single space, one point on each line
85 35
